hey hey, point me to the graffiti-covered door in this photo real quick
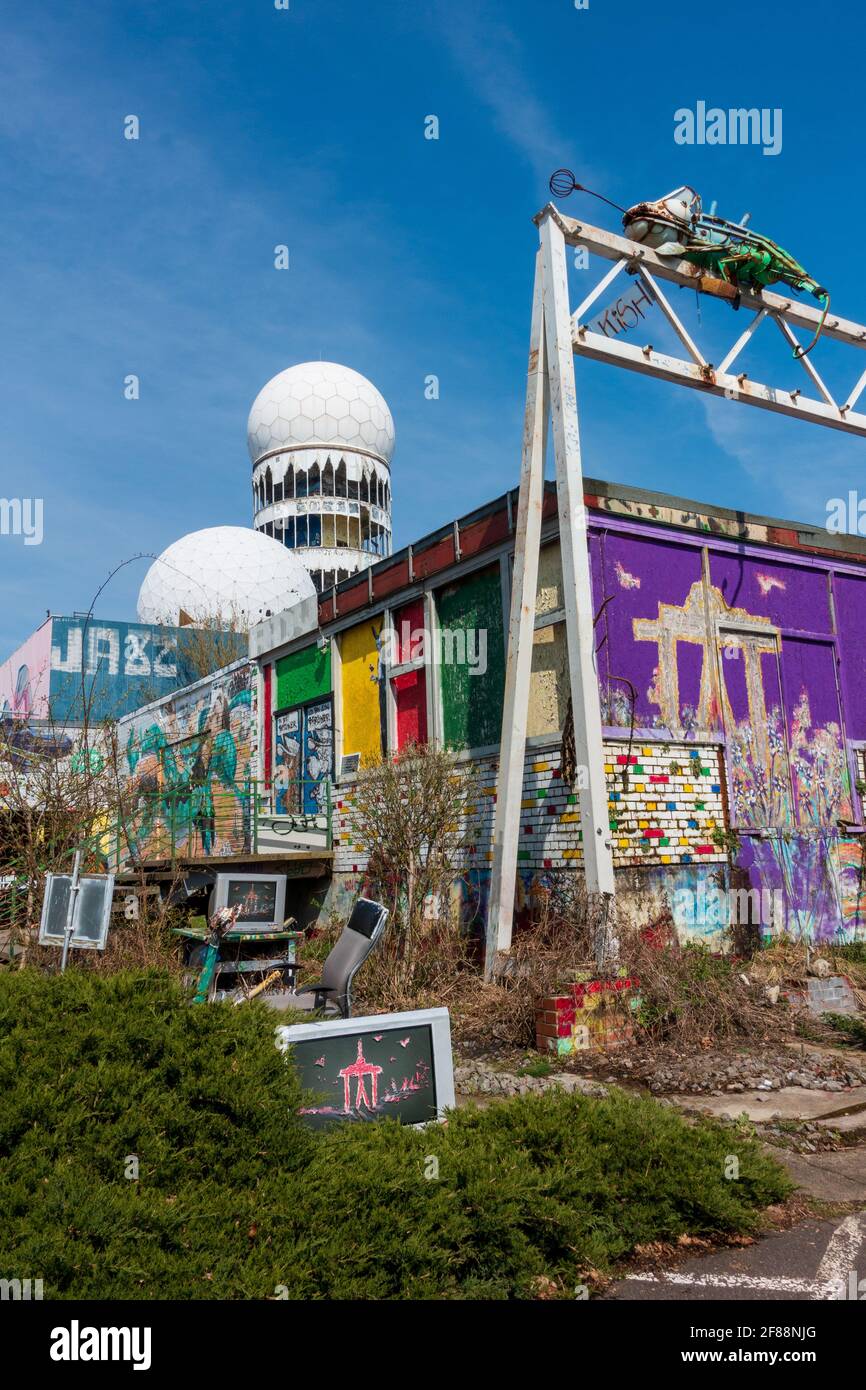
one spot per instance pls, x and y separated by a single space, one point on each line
318 756
287 762
303 758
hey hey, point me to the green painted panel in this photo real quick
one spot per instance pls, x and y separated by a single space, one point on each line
470 617
304 675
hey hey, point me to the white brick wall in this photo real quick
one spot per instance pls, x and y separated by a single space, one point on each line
665 801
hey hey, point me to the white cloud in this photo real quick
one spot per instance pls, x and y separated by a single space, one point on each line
490 57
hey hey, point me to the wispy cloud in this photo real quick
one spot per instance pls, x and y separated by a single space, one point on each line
490 57
797 466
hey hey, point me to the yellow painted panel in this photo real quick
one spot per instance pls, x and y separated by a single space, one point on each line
360 676
548 594
548 683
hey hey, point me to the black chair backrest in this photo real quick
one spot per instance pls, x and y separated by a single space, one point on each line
355 943
366 917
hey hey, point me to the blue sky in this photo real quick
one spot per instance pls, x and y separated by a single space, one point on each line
409 257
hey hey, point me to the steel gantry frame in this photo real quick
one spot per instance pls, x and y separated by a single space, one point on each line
556 336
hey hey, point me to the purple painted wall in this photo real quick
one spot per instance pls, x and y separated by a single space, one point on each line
766 653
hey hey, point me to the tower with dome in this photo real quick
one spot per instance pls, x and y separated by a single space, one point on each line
321 438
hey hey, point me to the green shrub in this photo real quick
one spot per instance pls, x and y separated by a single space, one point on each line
853 1028
235 1198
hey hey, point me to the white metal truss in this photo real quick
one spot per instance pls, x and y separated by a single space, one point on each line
648 267
556 336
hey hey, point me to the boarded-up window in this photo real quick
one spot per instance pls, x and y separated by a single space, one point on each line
757 753
819 764
473 660
303 675
548 683
362 691
409 681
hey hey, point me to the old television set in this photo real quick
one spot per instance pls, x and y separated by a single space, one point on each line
382 1066
259 898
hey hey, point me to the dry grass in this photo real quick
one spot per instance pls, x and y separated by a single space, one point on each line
693 998
689 996
142 944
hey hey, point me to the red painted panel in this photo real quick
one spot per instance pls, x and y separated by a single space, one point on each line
410 692
408 621
267 678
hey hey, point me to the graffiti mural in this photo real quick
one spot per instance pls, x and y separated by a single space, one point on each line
189 764
25 678
744 651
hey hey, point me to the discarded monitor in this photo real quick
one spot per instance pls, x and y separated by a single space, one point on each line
364 1069
260 899
91 913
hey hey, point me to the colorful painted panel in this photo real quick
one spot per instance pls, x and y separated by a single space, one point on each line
410 697
850 602
303 676
287 762
549 682
819 766
409 635
651 635
786 595
318 765
304 758
472 670
362 691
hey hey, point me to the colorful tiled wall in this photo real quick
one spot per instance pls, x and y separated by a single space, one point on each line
665 802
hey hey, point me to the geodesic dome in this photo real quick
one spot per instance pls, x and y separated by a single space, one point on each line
228 572
320 404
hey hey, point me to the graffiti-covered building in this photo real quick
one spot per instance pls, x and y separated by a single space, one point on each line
189 765
733 689
84 668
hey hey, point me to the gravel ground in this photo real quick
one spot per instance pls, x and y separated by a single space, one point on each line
668 1071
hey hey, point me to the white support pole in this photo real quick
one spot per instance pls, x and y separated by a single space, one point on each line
586 705
518 668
